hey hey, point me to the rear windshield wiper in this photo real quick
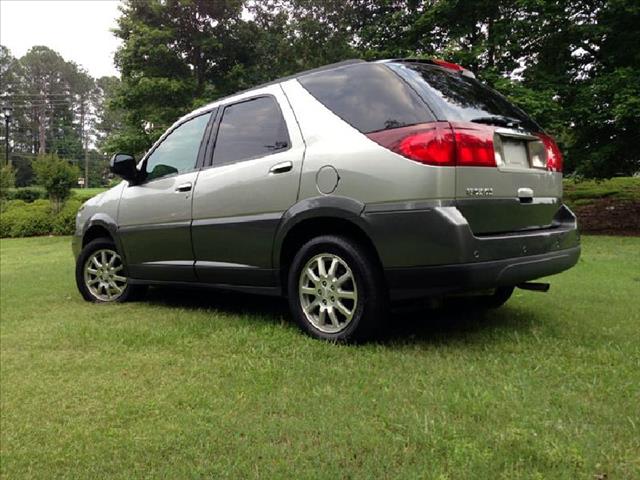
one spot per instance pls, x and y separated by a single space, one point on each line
499 120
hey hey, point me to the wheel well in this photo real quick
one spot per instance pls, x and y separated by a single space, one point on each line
313 227
94 232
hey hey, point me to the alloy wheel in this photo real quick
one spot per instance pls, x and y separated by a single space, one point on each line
328 293
102 275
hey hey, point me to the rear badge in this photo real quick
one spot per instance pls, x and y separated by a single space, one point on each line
479 192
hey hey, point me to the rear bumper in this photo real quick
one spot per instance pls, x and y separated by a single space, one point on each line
423 281
432 250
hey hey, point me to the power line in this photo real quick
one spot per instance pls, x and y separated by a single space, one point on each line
38 94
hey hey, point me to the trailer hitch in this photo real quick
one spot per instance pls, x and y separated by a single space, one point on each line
534 286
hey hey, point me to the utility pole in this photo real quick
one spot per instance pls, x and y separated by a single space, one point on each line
42 137
6 111
84 143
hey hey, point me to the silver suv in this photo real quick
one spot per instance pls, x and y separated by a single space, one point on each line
343 188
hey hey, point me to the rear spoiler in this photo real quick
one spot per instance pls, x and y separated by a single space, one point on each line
436 61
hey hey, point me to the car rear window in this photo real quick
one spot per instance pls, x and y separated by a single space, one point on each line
367 96
455 97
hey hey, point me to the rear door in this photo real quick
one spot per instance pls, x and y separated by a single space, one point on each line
251 181
522 189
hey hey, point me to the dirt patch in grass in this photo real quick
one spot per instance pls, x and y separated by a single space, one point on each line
609 216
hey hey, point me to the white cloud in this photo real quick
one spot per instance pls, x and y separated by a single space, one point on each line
80 31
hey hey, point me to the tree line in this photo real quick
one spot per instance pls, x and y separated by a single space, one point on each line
574 65
57 109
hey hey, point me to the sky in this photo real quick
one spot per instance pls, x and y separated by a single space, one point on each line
79 30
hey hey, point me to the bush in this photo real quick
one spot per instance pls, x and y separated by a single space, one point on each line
7 180
57 176
28 194
22 219
64 223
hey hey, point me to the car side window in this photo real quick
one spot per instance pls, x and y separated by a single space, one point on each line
250 129
178 152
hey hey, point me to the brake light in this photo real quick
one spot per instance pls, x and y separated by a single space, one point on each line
449 65
441 144
554 155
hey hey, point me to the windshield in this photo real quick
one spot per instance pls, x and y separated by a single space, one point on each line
455 97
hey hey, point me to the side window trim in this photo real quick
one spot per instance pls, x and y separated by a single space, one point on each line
200 156
216 129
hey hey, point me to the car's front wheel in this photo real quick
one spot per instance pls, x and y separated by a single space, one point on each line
100 274
336 290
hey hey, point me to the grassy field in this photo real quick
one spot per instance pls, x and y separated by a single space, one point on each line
214 385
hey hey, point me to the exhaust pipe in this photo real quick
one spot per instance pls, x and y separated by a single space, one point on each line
534 286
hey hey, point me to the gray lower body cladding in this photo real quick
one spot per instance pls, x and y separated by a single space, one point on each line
429 249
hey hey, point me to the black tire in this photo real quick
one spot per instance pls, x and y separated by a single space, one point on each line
129 292
498 299
370 309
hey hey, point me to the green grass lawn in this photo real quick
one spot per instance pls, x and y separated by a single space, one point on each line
90 191
209 385
85 194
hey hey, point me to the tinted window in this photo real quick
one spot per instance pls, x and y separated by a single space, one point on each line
178 152
369 97
459 98
250 129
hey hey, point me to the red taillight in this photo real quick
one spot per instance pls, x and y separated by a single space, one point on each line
428 143
433 146
554 155
441 144
474 145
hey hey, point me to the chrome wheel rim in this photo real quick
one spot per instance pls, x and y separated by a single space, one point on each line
102 275
328 293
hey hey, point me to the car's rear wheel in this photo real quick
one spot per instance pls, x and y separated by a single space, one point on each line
336 290
100 274
499 297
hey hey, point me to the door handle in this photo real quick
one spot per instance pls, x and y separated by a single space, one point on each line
184 187
281 167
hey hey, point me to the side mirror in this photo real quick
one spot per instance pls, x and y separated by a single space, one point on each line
124 165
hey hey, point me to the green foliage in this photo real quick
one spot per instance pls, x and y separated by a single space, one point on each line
28 194
57 177
573 72
64 222
620 188
57 108
7 180
572 65
22 219
23 169
27 213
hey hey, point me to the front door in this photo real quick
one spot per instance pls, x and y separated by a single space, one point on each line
154 216
241 197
